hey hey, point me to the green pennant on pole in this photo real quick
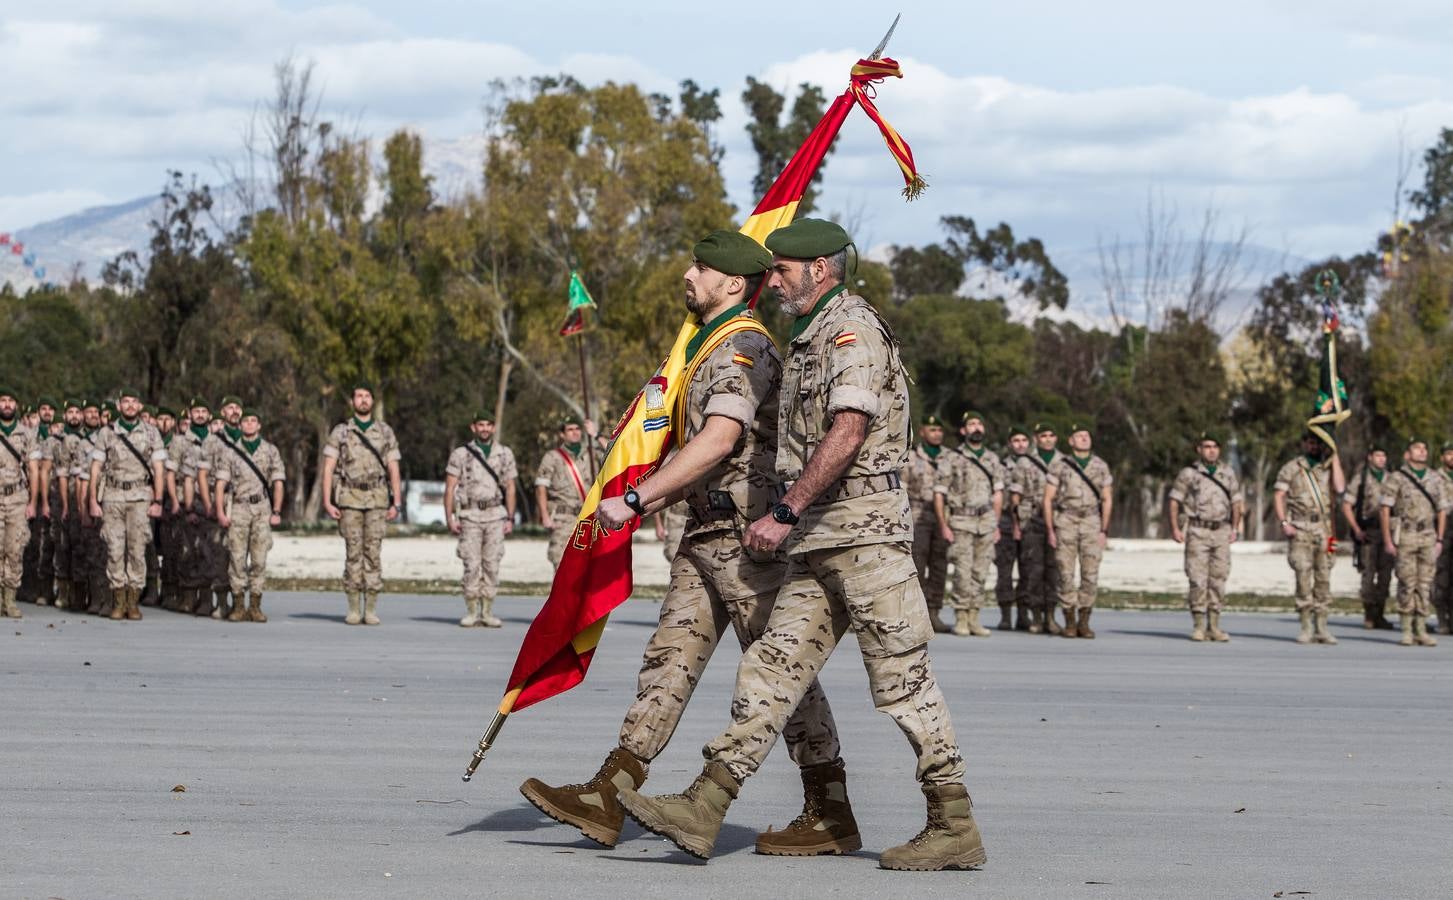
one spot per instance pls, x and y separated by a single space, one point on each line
580 301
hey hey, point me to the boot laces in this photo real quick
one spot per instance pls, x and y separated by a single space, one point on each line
812 800
600 780
936 823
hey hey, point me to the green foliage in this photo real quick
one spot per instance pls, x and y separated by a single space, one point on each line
775 140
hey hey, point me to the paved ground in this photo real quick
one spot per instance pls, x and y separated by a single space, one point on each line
321 760
1130 565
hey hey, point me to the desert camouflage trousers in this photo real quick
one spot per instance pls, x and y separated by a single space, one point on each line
560 534
126 531
248 540
930 555
1312 564
971 554
872 589
14 535
1416 564
1377 567
1208 565
1078 546
715 583
481 547
362 531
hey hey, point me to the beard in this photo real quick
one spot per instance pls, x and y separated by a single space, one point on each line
697 304
796 298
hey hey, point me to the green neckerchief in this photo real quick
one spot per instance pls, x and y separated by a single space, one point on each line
800 325
200 431
129 426
930 450
978 453
1046 455
252 445
10 429
1379 474
574 448
1312 461
1416 471
694 345
233 434
1082 461
362 425
485 448
1210 468
1447 473
166 439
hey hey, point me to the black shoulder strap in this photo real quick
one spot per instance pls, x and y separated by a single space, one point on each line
24 473
261 478
145 464
1230 500
372 449
1044 469
1075 467
1361 490
1422 490
975 460
487 467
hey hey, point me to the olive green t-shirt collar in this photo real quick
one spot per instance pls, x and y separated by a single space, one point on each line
1082 461
483 447
252 445
129 426
931 450
575 448
363 425
694 345
800 325
10 429
1046 455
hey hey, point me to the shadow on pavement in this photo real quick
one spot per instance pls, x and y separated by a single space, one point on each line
517 818
322 617
732 839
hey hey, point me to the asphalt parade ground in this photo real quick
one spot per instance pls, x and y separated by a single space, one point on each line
318 760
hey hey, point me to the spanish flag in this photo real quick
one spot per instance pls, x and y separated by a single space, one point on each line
594 576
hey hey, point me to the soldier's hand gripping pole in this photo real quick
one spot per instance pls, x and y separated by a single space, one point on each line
492 732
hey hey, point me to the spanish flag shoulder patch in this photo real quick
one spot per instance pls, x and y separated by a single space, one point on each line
742 359
846 338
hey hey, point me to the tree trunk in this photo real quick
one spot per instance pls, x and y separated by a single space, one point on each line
506 366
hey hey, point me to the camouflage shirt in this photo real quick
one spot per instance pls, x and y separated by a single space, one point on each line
557 475
738 381
1308 492
1203 500
1028 475
230 468
14 473
1072 494
1410 509
1367 488
968 489
123 476
847 359
919 477
361 482
480 496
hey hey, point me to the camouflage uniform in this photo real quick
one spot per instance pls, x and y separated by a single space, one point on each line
1006 552
557 474
1208 498
15 491
47 525
125 493
173 526
88 552
1308 504
1077 527
968 483
62 463
1038 570
480 499
249 507
1364 495
362 496
1415 532
215 557
714 579
930 550
850 559
1442 598
675 522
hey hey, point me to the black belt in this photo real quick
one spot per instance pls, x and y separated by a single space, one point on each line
1209 525
250 501
1418 527
10 489
719 505
483 505
971 510
362 485
857 486
124 485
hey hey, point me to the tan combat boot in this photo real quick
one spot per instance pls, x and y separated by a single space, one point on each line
1198 626
471 614
961 623
975 628
487 618
825 826
1084 626
239 609
1006 617
939 625
690 820
592 807
1072 627
370 609
355 614
1051 622
1407 623
118 605
7 604
254 611
950 840
1305 635
133 604
1420 633
1322 635
1213 623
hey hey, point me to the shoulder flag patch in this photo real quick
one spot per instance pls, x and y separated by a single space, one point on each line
844 339
743 360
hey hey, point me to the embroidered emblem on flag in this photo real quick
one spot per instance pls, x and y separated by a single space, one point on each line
655 424
741 360
847 337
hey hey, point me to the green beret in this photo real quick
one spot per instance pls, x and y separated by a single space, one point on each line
108 406
27 409
1211 436
1447 445
971 414
45 401
1076 427
733 253
129 391
249 411
1416 440
88 403
1017 431
1043 428
808 239
566 423
230 398
481 415
362 385
932 422
165 411
1382 448
149 409
73 402
9 392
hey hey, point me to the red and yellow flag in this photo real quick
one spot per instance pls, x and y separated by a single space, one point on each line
595 576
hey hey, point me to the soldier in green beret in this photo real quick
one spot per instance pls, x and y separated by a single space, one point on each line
196 543
1006 550
1360 505
127 485
249 500
1078 499
38 581
1210 494
363 455
169 529
1038 587
1443 579
479 506
19 496
88 554
215 556
930 550
1414 501
562 481
969 499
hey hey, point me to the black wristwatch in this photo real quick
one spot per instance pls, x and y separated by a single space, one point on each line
633 500
784 514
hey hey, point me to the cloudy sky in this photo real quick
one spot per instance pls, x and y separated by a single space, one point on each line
1057 117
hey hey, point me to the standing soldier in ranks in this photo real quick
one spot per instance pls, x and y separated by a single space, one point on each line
1078 498
169 530
670 526
1302 496
151 595
1211 496
479 505
1006 551
1038 581
562 481
1361 507
127 483
930 552
216 555
64 450
1414 501
842 428
197 521
364 456
19 497
253 469
42 590
968 498
1443 578
92 563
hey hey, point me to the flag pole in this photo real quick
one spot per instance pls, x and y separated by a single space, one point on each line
585 394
